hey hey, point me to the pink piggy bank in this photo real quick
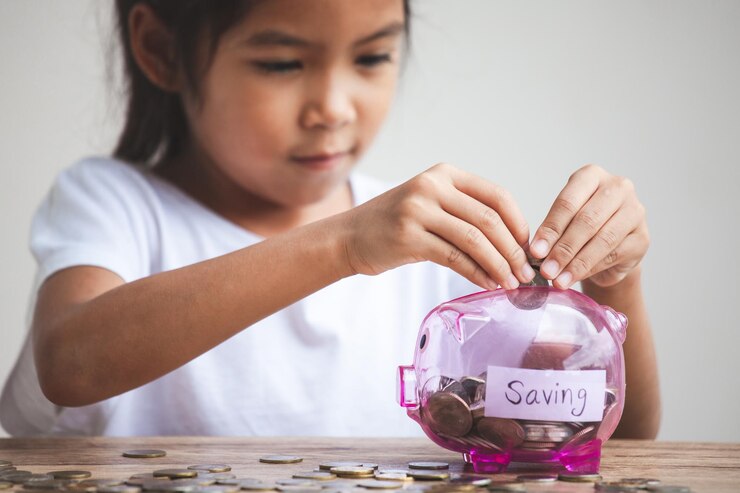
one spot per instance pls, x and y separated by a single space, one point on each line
532 375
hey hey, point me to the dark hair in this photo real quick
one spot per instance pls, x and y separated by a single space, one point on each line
156 128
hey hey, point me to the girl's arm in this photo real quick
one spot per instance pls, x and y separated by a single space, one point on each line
641 416
96 337
596 233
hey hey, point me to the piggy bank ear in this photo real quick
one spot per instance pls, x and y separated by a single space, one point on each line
617 322
462 322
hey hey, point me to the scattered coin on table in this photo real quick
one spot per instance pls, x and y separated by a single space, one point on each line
579 477
380 485
71 474
428 465
537 478
211 467
281 459
429 475
355 476
175 473
315 475
353 471
144 453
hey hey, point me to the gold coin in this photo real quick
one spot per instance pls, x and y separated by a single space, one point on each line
429 475
326 466
428 465
175 473
211 467
447 413
391 476
353 471
281 459
71 474
118 488
579 477
144 453
380 485
317 475
4 485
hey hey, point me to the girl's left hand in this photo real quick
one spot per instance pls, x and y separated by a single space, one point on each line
595 230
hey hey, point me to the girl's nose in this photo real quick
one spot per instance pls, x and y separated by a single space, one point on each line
329 106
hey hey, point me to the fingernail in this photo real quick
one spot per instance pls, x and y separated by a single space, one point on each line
550 269
491 284
512 282
527 272
539 248
565 279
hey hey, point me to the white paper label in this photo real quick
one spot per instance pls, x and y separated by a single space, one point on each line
550 395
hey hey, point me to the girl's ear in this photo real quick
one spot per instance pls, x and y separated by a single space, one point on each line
152 46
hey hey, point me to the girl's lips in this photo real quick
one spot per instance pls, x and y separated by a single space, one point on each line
321 161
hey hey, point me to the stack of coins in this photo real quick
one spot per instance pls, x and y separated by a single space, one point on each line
454 410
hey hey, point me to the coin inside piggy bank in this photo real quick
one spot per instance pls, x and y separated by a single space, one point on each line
534 375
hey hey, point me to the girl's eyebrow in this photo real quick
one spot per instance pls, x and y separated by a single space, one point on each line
272 37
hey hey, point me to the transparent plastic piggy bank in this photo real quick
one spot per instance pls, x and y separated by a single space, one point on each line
533 375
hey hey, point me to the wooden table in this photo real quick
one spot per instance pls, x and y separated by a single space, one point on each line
705 467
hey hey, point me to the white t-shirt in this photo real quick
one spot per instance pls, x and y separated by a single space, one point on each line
325 365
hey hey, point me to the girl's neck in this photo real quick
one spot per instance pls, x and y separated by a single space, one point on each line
214 190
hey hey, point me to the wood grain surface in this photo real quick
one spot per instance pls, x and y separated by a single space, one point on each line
705 467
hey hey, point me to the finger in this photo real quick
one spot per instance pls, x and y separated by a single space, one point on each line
492 225
579 189
619 262
495 197
471 241
448 255
601 245
587 222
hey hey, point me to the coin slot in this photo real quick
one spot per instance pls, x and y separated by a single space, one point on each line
423 341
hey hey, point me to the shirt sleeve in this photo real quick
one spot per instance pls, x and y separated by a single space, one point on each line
93 215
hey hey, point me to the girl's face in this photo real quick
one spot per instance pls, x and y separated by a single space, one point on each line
295 93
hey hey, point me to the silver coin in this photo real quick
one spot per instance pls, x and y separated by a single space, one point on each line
428 465
669 488
537 478
380 485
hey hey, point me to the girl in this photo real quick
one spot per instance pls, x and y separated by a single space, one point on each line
230 204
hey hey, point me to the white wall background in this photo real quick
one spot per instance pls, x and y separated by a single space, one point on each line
520 92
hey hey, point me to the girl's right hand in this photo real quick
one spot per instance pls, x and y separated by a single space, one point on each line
448 216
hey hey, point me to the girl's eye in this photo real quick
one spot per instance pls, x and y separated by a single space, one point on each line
373 60
279 66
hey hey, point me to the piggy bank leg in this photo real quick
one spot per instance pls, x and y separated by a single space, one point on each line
585 458
487 463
